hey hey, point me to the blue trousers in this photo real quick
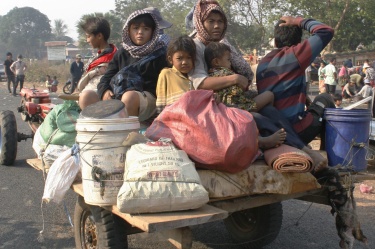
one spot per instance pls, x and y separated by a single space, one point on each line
269 120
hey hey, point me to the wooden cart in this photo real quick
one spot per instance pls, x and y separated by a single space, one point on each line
247 217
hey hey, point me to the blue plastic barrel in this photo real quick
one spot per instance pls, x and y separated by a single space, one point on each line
347 137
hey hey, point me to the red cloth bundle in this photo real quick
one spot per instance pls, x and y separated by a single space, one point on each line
213 135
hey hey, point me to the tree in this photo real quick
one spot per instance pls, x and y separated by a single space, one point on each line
25 30
60 29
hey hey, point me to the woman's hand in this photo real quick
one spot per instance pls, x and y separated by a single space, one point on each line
107 95
242 82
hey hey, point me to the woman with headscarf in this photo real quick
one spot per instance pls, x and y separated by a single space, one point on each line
210 24
140 43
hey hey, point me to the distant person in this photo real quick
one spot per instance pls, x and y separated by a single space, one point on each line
358 79
322 88
18 68
76 71
48 82
366 90
337 98
54 84
330 80
8 72
348 90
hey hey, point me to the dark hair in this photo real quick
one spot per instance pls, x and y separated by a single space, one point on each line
146 19
332 59
183 43
214 50
96 25
287 36
9 54
337 96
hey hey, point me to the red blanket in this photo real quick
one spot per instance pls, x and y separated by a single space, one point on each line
288 159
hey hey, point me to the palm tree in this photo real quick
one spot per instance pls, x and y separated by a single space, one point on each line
60 29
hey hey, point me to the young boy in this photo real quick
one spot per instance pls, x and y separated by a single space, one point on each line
337 98
366 90
348 91
140 38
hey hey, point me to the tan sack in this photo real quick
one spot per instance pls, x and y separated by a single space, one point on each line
159 178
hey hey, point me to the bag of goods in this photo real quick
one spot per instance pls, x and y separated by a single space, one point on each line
213 135
61 175
159 178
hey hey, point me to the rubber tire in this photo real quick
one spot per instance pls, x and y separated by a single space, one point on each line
66 89
8 138
107 232
256 227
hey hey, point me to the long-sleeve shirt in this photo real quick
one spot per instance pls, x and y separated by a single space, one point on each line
366 91
282 71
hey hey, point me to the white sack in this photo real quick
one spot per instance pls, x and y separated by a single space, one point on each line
61 175
159 178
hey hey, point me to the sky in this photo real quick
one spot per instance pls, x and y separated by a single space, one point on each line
70 11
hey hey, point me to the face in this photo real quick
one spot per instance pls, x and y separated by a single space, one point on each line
140 34
182 61
224 61
338 102
214 25
9 57
94 40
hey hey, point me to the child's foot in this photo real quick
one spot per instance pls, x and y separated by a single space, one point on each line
275 140
319 162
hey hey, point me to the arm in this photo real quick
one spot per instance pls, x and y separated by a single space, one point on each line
71 68
113 68
13 68
24 67
201 80
161 92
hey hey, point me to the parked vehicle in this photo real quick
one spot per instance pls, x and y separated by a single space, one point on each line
2 73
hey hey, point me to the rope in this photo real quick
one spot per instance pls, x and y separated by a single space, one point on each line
349 155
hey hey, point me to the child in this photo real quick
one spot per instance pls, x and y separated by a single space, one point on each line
48 82
174 82
349 90
366 91
217 56
140 40
54 84
337 98
322 87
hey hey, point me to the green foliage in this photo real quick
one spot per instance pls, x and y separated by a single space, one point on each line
25 29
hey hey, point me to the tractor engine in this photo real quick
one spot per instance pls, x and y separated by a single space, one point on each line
35 106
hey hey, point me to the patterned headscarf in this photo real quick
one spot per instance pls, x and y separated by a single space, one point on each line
146 49
202 10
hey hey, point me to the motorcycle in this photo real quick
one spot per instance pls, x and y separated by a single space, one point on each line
67 86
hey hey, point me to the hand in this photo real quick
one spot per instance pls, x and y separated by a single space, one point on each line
242 82
107 95
289 21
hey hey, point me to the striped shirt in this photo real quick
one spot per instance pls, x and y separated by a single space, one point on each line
282 71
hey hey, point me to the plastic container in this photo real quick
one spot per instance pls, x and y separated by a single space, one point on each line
102 156
347 137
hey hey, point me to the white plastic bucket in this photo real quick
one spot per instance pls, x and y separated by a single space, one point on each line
101 150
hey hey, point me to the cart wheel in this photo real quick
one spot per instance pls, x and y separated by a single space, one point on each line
66 89
8 138
255 227
97 228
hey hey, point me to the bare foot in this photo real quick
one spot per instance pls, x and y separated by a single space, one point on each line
272 141
319 162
